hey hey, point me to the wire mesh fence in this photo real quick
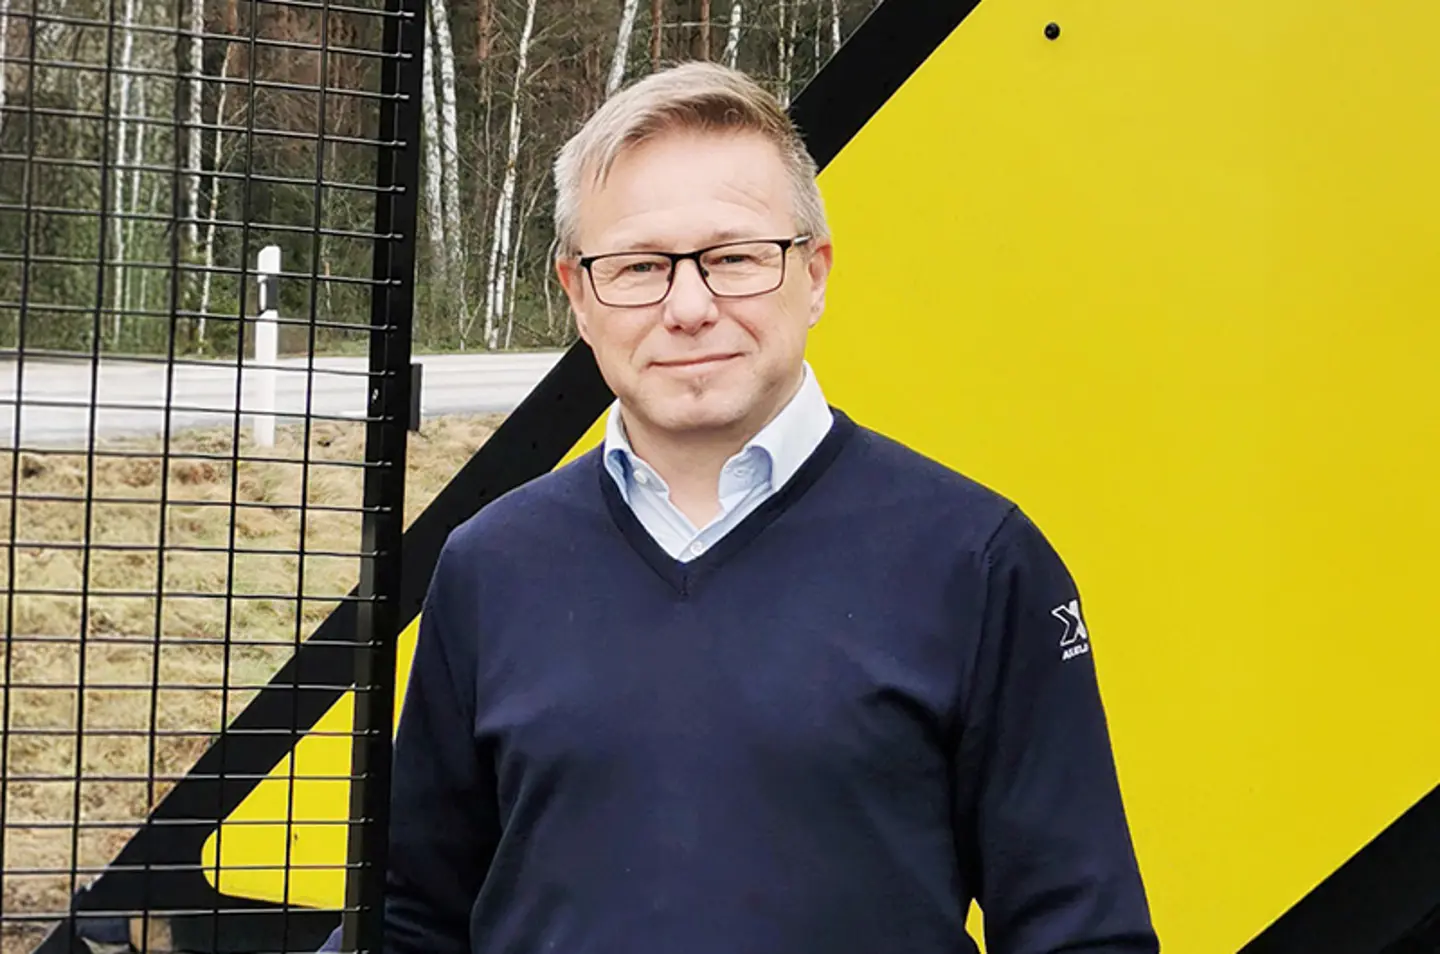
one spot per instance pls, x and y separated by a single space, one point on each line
201 472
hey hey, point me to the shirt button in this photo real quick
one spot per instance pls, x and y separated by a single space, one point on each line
697 548
641 477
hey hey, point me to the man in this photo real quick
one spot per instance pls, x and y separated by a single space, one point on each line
749 678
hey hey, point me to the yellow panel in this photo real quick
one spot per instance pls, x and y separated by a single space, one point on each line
1169 281
251 842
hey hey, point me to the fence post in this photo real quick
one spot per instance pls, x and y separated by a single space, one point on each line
266 344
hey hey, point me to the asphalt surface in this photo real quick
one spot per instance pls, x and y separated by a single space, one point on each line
59 406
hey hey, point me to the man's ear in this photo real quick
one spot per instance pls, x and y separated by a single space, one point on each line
572 279
817 266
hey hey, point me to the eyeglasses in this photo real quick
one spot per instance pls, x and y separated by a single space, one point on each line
730 270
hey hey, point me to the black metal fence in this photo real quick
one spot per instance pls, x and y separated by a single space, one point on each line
202 465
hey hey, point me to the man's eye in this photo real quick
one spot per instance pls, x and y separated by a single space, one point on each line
735 258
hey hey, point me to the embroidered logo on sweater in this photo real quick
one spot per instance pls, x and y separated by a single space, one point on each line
1076 641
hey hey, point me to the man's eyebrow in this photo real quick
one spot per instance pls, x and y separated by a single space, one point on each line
715 238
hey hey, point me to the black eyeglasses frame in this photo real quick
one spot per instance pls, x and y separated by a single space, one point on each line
785 244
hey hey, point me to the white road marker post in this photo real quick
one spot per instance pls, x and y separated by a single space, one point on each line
267 341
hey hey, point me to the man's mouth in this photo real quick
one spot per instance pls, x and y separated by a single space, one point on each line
704 361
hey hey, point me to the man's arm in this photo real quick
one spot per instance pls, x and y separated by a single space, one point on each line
443 815
1053 862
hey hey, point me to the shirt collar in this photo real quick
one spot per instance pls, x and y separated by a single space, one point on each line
786 442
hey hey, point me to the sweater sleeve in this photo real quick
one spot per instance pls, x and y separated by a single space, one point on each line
1051 855
443 814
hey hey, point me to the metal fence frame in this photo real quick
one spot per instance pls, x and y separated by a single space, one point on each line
157 873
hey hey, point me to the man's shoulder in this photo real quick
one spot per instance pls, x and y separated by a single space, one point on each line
904 486
903 474
535 509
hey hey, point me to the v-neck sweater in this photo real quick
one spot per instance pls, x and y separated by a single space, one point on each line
870 703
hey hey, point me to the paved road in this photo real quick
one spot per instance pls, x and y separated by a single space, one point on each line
56 405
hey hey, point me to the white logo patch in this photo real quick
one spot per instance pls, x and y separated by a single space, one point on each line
1076 641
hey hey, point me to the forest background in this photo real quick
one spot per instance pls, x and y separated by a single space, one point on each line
207 118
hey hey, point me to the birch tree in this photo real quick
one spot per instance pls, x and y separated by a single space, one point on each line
434 173
657 20
783 49
819 30
622 46
497 288
4 53
515 259
449 155
482 146
193 119
127 49
137 159
705 29
732 36
834 26
152 207
789 42
217 160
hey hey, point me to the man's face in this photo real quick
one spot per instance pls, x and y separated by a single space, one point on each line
696 362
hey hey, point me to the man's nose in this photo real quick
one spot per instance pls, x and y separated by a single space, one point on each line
690 302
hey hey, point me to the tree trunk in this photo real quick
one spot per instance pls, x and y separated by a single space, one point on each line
790 50
142 296
515 259
216 161
732 36
549 280
450 157
782 54
834 26
704 29
819 29
482 147
127 48
193 119
498 291
484 25
137 156
434 173
657 20
622 46
4 52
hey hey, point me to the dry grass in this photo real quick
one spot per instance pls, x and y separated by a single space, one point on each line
52 823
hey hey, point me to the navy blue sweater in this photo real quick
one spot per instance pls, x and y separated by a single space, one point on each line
868 704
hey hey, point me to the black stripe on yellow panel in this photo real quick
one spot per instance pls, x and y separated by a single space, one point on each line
877 59
1384 900
869 68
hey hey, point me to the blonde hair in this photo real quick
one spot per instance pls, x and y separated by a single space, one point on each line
700 96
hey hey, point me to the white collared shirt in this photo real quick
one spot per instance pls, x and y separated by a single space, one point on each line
764 465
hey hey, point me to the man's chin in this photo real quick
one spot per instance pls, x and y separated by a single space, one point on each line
709 414
707 422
